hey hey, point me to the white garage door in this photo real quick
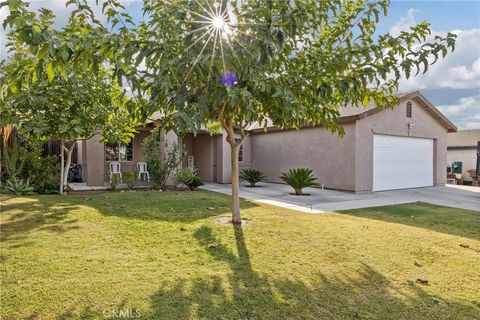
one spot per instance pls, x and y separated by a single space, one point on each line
402 162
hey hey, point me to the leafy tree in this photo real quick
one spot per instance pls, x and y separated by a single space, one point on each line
49 93
291 62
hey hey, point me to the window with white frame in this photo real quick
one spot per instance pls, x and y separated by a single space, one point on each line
240 151
119 151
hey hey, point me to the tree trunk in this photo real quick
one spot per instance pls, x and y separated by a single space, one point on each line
234 148
68 163
236 218
62 147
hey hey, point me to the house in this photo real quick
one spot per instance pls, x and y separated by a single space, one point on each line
403 147
462 152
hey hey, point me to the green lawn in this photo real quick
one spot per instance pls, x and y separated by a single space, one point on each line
161 255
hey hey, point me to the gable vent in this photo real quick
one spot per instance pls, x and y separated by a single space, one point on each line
409 109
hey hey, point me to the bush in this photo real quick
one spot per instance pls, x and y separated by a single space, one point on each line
161 165
299 178
18 186
252 176
24 161
189 178
194 182
44 173
130 178
114 181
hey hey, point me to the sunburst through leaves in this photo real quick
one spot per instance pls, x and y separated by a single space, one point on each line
216 28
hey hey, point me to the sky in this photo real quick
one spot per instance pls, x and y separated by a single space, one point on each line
452 84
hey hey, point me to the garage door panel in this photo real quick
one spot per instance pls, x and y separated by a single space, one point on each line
402 162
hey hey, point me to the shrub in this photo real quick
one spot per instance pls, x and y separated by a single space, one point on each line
194 182
114 181
18 186
252 176
299 178
130 178
43 173
188 177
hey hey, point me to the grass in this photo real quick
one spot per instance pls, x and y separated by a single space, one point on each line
161 256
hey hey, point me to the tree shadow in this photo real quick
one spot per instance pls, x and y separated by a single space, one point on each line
458 222
247 294
168 206
35 216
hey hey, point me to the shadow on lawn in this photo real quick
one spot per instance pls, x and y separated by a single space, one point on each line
253 295
458 222
35 215
169 206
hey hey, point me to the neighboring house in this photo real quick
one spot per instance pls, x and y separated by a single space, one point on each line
404 147
462 147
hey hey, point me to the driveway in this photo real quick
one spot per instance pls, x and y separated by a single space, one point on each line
321 201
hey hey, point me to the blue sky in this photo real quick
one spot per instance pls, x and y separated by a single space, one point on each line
453 84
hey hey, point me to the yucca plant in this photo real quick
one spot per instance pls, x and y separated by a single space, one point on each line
252 176
299 178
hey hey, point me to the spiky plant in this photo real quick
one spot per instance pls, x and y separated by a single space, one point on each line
252 176
299 178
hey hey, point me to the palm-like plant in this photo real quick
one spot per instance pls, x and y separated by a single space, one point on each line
252 176
299 178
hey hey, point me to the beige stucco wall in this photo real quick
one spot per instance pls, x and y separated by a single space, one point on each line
331 158
468 158
463 138
223 158
204 152
395 122
94 167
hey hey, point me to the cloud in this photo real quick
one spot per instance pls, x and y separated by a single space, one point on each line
456 75
404 23
465 113
459 70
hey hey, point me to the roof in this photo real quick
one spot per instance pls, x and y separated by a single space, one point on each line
463 138
352 113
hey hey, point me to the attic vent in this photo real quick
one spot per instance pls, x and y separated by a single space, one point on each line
409 109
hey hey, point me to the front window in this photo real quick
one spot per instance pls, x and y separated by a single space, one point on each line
119 151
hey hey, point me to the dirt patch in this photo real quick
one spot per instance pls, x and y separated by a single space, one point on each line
228 220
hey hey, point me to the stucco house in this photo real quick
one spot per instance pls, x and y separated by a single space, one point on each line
403 147
462 147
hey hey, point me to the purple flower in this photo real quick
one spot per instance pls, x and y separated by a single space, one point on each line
229 79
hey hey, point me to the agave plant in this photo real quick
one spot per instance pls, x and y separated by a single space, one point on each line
252 176
299 178
19 187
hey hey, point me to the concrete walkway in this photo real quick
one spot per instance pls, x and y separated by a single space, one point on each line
321 201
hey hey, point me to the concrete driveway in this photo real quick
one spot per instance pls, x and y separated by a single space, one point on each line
329 200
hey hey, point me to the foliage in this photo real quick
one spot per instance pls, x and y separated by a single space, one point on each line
195 182
56 83
12 160
18 186
162 160
114 181
189 178
130 178
154 145
299 178
252 176
42 172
